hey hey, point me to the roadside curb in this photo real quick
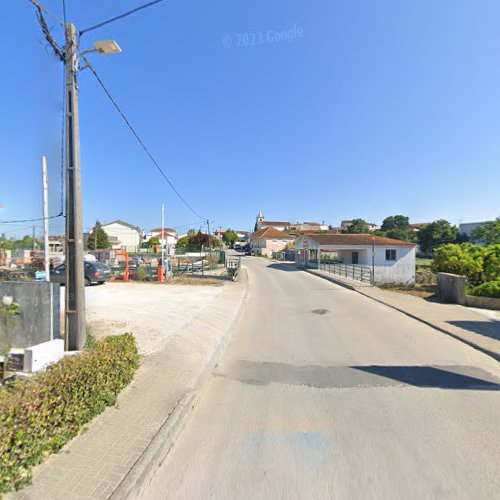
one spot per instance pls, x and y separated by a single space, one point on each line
492 354
142 471
332 279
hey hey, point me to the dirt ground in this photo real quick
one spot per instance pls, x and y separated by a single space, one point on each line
152 312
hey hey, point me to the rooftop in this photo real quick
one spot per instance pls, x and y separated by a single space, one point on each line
356 239
270 233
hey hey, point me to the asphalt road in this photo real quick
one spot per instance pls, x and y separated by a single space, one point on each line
324 393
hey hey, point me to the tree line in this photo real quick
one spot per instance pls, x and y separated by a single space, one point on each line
429 236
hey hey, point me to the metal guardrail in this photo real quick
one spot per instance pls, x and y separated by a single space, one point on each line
351 271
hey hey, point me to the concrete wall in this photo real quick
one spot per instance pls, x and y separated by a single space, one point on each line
451 287
33 326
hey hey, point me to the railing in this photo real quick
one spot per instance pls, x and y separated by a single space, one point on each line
350 271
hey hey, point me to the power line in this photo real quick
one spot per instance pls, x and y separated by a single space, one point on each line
37 219
136 135
47 11
45 29
64 11
121 16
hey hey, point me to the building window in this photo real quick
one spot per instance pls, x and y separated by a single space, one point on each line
390 255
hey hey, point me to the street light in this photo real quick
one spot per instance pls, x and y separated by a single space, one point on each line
75 291
107 47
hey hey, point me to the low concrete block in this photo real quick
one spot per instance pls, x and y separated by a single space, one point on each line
39 356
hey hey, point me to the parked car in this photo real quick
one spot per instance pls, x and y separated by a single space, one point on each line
95 272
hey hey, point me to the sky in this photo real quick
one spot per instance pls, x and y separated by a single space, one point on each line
321 110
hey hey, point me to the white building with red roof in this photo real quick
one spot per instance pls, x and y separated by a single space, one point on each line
390 260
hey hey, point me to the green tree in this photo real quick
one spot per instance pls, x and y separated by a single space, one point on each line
491 266
357 226
465 259
98 238
435 234
153 241
397 227
230 237
183 241
488 233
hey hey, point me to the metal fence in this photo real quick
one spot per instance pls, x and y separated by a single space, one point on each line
350 271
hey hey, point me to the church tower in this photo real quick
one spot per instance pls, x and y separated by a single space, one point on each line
258 221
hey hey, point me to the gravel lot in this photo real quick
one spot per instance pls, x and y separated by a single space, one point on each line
152 312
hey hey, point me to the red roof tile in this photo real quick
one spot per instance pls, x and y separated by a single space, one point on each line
356 239
270 233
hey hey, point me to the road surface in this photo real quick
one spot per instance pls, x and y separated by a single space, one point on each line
323 393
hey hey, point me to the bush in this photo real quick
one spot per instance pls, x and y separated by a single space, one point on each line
39 415
465 259
489 289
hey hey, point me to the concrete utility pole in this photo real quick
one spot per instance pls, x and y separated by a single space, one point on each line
45 185
76 334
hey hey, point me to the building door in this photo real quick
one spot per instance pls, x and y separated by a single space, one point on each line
355 257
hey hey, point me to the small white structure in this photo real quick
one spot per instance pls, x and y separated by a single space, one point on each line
392 261
122 234
39 356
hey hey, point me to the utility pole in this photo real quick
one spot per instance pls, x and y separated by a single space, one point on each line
162 240
74 291
45 186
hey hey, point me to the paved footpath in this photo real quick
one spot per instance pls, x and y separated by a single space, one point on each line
323 393
480 329
98 462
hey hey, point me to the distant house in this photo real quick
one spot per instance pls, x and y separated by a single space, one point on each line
418 226
219 233
308 226
122 234
263 224
169 239
393 261
346 223
269 240
469 227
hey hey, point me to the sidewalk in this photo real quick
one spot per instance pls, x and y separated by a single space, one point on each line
481 331
122 444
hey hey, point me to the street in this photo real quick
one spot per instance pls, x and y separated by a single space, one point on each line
325 393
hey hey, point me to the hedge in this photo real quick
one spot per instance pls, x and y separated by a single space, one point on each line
39 415
488 289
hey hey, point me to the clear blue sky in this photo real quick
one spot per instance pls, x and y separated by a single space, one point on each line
379 108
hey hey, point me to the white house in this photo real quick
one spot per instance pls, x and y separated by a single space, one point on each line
392 261
122 234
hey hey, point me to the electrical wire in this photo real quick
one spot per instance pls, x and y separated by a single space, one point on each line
31 220
121 16
64 11
47 11
139 140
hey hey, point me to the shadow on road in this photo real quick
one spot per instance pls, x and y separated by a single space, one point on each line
284 267
325 377
429 376
489 329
